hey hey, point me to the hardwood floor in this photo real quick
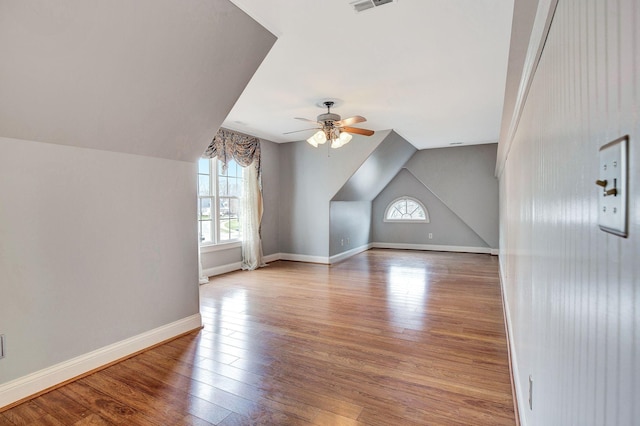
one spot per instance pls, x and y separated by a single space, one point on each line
384 338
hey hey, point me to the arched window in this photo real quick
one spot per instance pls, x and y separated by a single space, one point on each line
406 209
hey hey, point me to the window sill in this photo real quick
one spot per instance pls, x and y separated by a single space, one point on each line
217 247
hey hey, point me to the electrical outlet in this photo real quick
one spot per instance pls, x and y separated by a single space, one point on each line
530 392
612 178
342 241
430 235
348 241
2 346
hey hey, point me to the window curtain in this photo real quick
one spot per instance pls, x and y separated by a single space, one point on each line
228 145
251 218
245 150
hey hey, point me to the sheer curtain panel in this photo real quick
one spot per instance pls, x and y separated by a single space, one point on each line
251 218
245 150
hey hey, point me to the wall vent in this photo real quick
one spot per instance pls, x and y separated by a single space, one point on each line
362 5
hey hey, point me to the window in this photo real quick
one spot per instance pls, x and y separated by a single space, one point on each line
406 209
219 201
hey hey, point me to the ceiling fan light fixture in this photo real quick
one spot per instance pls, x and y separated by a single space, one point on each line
317 139
345 138
333 129
340 139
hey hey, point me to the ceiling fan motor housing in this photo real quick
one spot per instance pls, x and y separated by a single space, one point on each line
328 117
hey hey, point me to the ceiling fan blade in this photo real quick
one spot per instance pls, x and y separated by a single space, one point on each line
351 120
357 131
303 130
307 120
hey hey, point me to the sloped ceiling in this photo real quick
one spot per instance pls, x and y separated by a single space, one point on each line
377 170
149 77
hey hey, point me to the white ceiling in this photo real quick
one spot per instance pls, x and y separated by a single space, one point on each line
432 70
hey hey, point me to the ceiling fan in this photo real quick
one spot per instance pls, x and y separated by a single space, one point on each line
332 128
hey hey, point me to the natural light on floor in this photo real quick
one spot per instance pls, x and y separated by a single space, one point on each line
407 289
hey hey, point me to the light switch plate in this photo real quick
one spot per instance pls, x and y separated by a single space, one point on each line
612 205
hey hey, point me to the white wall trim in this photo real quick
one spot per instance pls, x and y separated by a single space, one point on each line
304 258
39 381
495 252
222 269
541 25
521 405
349 253
271 257
457 249
235 266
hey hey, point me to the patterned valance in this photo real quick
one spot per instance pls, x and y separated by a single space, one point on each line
228 145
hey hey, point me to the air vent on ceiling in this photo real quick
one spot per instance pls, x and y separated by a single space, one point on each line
361 5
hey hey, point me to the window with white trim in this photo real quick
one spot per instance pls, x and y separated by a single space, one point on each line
406 209
219 202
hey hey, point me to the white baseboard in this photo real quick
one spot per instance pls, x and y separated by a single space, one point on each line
235 266
349 253
304 258
520 404
271 257
457 249
222 269
495 252
39 381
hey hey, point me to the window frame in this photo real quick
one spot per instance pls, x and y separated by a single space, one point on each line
406 198
214 196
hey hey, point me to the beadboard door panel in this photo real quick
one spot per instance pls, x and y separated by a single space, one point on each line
573 290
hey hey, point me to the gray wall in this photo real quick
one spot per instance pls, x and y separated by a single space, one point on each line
311 223
463 178
271 197
220 257
309 178
95 247
350 225
572 291
97 234
445 226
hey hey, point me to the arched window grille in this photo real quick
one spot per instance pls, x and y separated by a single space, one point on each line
406 209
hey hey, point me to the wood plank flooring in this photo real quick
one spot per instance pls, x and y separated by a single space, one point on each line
384 338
